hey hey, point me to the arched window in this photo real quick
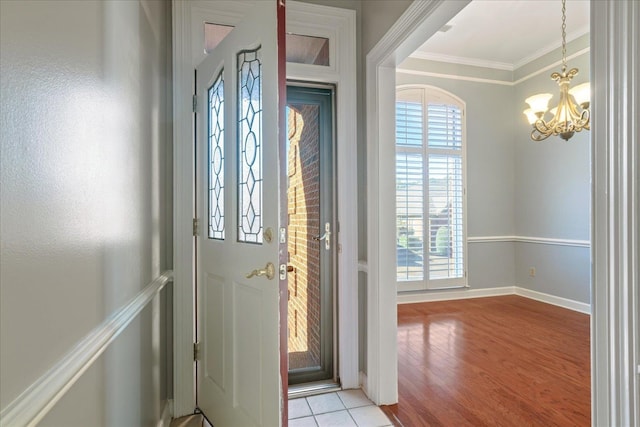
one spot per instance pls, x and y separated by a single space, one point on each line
430 189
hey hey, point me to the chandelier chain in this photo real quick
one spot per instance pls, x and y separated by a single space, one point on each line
564 37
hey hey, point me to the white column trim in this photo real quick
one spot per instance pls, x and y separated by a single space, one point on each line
615 57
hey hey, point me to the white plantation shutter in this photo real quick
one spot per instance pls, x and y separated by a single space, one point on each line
409 215
430 190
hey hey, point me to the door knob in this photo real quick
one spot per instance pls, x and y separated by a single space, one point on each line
269 271
326 236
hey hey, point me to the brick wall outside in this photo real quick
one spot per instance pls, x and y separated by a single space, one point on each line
304 222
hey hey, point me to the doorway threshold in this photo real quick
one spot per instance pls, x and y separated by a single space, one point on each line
311 389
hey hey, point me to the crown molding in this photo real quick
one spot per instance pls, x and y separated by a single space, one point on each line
551 47
452 59
497 65
489 81
453 77
553 65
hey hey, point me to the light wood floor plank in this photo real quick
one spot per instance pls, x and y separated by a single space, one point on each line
499 361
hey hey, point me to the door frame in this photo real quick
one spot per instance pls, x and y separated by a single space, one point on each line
339 26
615 344
421 20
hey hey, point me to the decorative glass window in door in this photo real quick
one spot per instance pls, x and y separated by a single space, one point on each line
216 158
250 146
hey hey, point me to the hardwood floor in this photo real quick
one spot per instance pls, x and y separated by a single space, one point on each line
499 361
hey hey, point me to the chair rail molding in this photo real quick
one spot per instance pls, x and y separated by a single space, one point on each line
529 239
615 330
30 407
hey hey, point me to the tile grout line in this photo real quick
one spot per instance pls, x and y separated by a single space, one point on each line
345 408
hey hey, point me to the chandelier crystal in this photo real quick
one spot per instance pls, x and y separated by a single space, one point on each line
572 112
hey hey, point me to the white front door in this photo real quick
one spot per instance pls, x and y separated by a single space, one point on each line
240 247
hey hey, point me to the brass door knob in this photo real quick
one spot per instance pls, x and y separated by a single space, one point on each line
269 271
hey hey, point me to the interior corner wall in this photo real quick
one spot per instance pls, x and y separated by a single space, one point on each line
490 175
86 200
553 197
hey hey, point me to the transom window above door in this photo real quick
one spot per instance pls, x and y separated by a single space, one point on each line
301 49
431 241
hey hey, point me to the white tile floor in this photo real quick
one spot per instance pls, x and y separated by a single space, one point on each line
347 408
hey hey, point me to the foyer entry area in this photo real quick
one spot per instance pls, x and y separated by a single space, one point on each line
347 408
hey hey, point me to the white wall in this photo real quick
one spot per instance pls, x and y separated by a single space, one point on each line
86 181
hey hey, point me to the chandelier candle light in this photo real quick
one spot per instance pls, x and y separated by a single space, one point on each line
567 118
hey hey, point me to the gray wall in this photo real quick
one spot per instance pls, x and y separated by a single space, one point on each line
518 187
490 173
377 17
553 197
86 199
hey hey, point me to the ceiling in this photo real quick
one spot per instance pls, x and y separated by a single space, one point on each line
506 34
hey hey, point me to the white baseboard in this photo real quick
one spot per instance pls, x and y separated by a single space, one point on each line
466 293
552 299
165 417
463 293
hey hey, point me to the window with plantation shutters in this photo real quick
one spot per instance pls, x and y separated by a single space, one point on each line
430 189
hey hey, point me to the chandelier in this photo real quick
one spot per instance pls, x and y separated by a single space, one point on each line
572 112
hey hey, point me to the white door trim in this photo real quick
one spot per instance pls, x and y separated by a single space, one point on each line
339 26
183 213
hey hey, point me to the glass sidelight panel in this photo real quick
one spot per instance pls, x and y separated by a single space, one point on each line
310 218
216 158
250 146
